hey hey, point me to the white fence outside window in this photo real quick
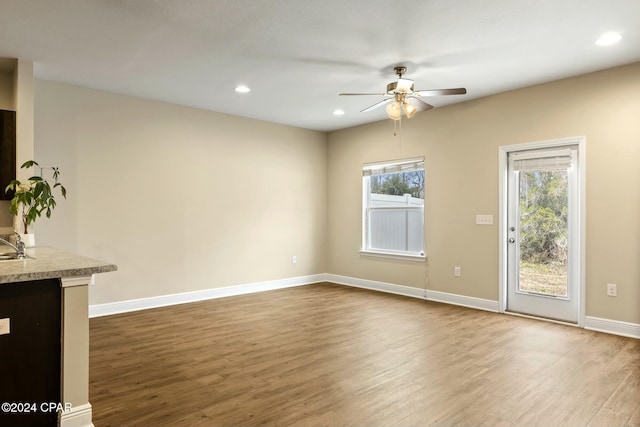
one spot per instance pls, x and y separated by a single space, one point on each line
396 223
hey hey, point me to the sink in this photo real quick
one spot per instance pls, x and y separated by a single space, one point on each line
11 256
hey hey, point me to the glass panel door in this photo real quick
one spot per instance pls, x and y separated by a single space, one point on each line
543 255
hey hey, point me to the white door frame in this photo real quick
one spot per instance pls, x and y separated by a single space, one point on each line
503 152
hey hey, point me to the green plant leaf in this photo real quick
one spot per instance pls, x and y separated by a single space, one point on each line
37 197
28 164
12 185
13 207
37 191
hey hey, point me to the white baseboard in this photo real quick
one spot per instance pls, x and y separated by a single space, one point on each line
464 301
444 297
616 327
593 323
390 288
78 416
108 309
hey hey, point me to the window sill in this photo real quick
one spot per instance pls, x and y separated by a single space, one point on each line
393 255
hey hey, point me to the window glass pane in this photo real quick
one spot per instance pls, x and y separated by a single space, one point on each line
399 184
543 232
394 211
387 230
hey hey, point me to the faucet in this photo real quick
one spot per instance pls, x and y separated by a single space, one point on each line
19 247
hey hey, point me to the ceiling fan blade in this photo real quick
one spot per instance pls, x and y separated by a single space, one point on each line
377 104
419 104
438 92
356 94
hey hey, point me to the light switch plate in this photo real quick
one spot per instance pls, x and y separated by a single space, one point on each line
5 326
484 219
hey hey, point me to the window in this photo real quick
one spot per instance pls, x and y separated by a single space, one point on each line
393 208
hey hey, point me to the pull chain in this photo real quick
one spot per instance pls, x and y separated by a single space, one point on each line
397 130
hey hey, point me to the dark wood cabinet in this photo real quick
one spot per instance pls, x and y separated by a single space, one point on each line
30 355
7 151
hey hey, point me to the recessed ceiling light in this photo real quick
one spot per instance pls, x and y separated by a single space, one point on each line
607 39
242 89
338 112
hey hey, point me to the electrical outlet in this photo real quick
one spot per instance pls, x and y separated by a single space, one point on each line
612 290
484 219
457 271
5 326
294 259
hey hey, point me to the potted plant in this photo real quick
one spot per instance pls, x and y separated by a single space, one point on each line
34 197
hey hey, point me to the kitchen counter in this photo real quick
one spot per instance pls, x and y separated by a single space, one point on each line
48 263
44 303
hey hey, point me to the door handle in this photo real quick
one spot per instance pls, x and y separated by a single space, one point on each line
512 240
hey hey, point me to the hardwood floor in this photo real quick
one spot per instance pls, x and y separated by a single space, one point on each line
329 355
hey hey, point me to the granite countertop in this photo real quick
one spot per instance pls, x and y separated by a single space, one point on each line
48 263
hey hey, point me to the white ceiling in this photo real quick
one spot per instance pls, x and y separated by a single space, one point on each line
297 55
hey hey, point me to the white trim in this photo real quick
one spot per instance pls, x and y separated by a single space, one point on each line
503 215
615 327
99 310
408 291
464 301
389 288
376 165
592 323
68 282
393 255
503 151
543 319
78 416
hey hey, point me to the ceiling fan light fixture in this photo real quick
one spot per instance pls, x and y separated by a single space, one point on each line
409 109
402 90
394 111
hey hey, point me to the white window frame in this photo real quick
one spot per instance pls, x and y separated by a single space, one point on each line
369 169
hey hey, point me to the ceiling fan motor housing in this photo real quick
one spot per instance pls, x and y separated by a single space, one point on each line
400 70
401 86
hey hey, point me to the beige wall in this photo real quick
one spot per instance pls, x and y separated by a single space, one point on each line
23 87
183 199
180 199
6 90
460 144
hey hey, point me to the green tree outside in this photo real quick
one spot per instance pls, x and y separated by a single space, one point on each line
543 232
397 184
543 217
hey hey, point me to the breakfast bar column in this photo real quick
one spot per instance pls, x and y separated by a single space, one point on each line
75 352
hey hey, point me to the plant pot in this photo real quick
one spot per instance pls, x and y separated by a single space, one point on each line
29 239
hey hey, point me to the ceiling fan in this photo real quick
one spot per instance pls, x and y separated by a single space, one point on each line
403 98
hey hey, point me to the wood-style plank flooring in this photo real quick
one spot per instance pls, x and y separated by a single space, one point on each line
329 355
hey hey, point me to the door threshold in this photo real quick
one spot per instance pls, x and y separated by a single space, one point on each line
546 319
